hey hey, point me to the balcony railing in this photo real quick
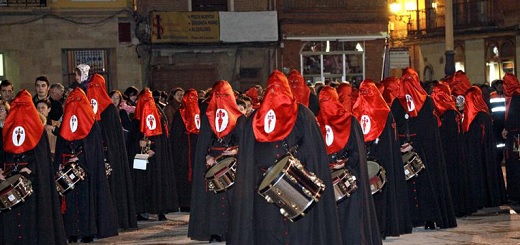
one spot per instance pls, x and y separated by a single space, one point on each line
23 3
470 14
313 4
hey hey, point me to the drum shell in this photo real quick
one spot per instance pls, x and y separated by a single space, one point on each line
412 164
344 184
14 190
377 176
68 177
291 187
221 176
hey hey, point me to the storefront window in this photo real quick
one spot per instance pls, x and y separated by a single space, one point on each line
333 61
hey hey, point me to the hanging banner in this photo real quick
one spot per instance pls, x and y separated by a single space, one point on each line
185 27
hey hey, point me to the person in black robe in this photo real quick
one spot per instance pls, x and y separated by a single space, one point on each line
302 93
346 149
154 188
429 193
219 137
277 126
512 135
184 132
37 220
378 127
88 209
452 136
115 153
486 178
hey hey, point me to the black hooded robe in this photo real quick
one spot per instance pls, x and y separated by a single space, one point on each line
90 210
183 146
209 214
255 221
512 125
486 179
429 192
154 188
452 137
120 180
357 213
391 203
37 220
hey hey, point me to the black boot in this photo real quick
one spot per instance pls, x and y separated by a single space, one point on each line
161 217
141 218
430 225
73 239
215 238
87 239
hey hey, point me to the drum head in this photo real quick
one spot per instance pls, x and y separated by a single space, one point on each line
373 168
11 181
221 164
273 172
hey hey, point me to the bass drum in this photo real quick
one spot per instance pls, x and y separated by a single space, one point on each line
344 184
377 176
14 190
291 187
221 176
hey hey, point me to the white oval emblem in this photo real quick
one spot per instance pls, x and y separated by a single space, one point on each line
366 124
18 136
73 122
197 121
409 102
94 104
221 120
150 122
329 135
269 121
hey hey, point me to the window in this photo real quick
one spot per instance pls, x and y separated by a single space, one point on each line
209 5
97 59
2 74
333 60
459 58
500 59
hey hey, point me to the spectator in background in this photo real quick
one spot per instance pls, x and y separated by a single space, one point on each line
42 92
57 92
174 103
130 95
6 90
120 103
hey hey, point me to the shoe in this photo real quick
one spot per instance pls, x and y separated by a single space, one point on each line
430 225
185 209
215 238
141 218
161 217
73 239
87 239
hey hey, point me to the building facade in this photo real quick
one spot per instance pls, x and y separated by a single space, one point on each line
486 37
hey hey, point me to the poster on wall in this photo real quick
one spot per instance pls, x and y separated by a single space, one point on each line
399 58
185 27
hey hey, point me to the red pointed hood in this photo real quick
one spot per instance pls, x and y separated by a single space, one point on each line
277 114
78 116
222 110
391 90
97 95
22 128
411 94
299 88
334 120
459 83
146 112
371 110
190 111
345 96
474 104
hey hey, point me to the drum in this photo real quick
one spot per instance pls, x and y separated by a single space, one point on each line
343 183
412 164
67 178
291 187
14 190
221 176
377 175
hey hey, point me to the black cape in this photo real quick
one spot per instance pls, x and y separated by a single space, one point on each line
183 145
38 219
314 103
90 210
120 180
429 193
453 145
391 203
209 213
486 178
154 188
512 125
357 213
253 220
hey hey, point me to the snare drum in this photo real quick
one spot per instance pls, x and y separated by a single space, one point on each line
221 176
377 175
412 164
14 190
344 183
67 178
291 187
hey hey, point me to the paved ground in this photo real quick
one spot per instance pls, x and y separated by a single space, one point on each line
488 226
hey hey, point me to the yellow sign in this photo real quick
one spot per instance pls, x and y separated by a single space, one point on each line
185 27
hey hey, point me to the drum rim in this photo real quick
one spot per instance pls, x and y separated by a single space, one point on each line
219 165
276 177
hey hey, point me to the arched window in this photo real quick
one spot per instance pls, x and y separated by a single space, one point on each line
428 73
492 62
459 58
500 58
